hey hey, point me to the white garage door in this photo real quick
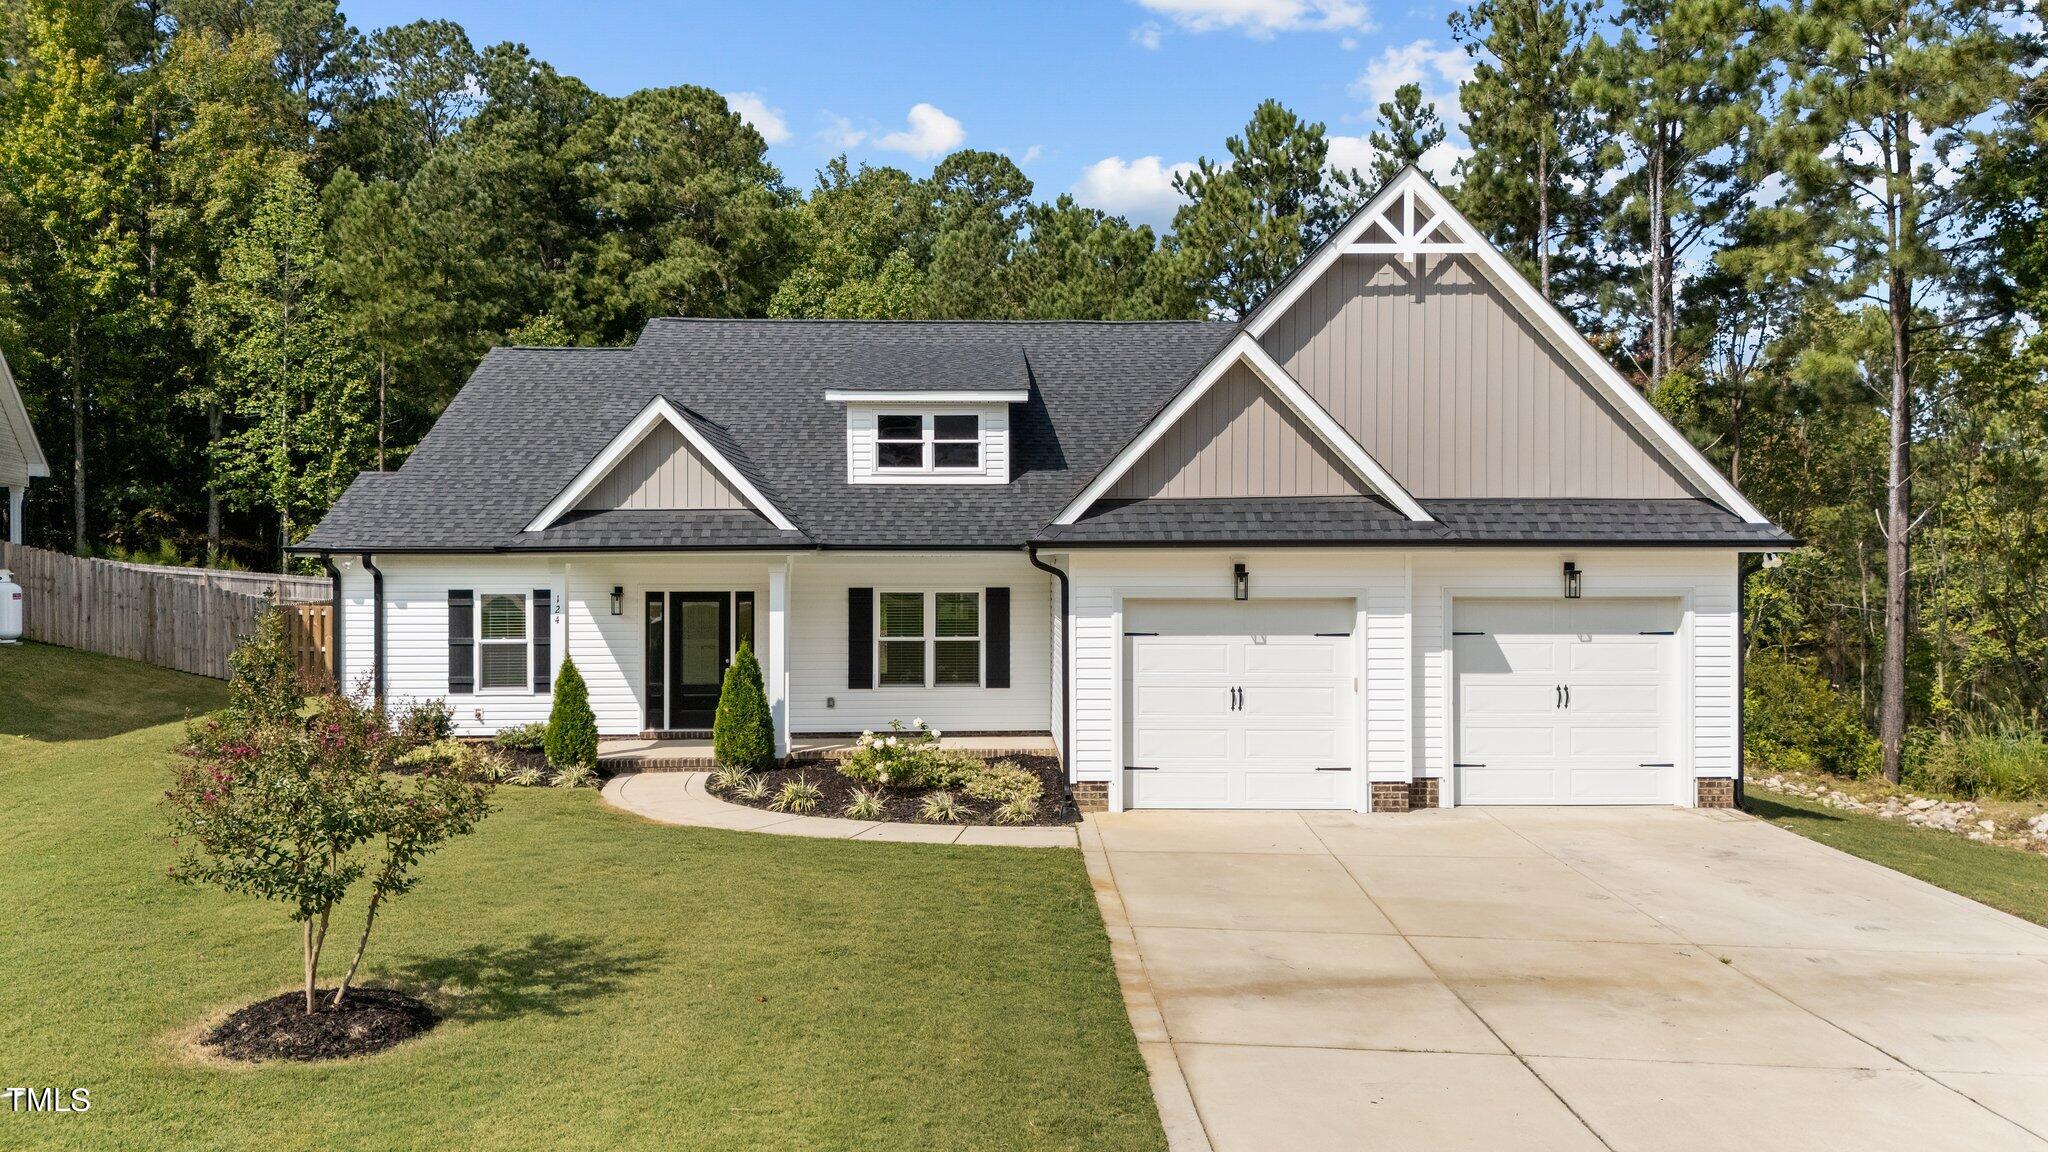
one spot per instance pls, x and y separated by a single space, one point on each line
1238 704
1566 701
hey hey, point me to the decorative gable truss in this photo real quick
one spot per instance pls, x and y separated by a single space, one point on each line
1245 351
1410 220
660 460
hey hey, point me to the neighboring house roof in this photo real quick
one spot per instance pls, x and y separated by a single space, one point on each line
1371 520
21 457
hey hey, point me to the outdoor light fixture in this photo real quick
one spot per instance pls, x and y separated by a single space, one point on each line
618 599
1571 580
1240 583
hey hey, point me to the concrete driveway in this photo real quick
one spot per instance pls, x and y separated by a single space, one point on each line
1523 979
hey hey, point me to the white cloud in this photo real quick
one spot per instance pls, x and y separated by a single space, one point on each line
840 133
1438 70
767 121
930 133
1262 19
1141 189
1147 35
1030 155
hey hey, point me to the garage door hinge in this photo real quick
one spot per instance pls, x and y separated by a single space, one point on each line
1468 765
1333 769
1468 633
1141 633
1338 634
1142 768
1656 765
1667 633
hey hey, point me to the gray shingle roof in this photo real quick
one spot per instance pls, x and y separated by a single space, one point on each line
530 420
1370 520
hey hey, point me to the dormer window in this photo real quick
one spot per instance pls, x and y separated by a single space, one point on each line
906 442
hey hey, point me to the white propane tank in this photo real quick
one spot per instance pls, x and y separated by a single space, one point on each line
10 608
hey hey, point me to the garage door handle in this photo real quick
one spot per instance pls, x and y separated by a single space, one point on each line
1557 696
1567 695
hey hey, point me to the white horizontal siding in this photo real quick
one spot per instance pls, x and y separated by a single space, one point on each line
820 701
1705 580
860 443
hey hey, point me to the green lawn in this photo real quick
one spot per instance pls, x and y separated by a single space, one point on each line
612 984
2005 878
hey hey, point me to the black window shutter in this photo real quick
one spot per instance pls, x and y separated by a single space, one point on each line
995 630
543 640
860 637
461 641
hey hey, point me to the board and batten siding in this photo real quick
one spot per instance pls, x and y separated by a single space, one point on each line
1376 582
1704 580
1453 392
1238 440
662 471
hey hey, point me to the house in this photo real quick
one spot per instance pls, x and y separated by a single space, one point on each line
1398 538
21 458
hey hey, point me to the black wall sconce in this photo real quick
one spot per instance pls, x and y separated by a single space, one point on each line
1240 583
1571 580
618 600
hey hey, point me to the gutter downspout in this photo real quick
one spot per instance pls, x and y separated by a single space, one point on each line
376 627
1066 664
334 616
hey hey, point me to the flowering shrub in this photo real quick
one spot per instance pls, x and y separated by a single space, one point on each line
906 757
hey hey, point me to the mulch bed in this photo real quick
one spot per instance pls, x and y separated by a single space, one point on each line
1055 805
369 1020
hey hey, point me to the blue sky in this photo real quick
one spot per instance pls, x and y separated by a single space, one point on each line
1101 99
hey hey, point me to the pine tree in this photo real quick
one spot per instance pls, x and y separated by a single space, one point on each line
1249 221
1408 129
1532 179
1879 97
572 727
1679 92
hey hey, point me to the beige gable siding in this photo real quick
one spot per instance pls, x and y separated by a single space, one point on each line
13 460
662 471
1238 440
1453 392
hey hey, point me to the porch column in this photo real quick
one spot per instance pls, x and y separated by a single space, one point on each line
16 526
775 660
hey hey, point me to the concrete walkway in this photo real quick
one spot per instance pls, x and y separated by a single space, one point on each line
1627 979
681 798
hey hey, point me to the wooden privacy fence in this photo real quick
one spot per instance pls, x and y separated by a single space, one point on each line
189 619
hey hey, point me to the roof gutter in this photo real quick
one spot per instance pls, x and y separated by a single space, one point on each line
1065 663
334 618
376 626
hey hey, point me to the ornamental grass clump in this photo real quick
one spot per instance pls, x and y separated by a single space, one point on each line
298 804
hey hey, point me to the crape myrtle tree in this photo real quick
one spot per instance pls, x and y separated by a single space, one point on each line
291 801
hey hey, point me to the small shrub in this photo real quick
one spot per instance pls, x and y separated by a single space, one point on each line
437 753
1794 720
941 808
1001 783
1988 762
728 778
425 722
743 730
798 795
572 726
1017 810
491 766
753 791
527 776
865 805
574 776
896 758
522 738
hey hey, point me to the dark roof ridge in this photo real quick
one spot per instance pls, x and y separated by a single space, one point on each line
906 322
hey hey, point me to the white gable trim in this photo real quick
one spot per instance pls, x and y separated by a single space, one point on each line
1448 232
1247 351
14 413
658 410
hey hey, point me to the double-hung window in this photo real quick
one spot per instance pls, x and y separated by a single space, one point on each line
503 657
928 443
928 639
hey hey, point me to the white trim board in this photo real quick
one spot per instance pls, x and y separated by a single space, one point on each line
1448 232
657 410
14 412
1246 350
1015 397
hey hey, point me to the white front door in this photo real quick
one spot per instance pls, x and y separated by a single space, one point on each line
1567 701
1239 704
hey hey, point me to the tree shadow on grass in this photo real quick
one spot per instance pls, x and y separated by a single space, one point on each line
1757 806
546 974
